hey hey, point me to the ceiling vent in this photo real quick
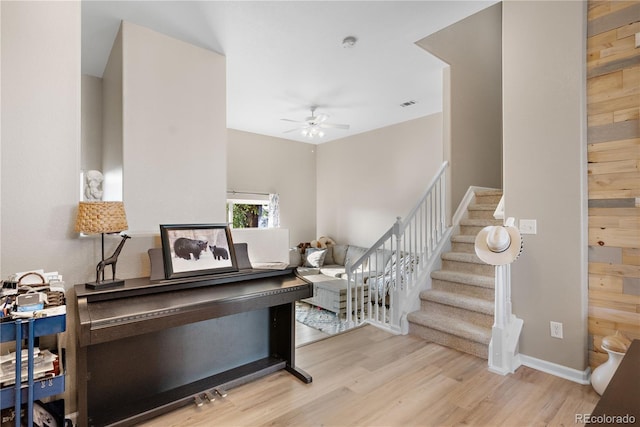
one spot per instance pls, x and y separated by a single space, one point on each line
408 103
349 42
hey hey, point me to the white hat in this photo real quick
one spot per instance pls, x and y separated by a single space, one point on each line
498 245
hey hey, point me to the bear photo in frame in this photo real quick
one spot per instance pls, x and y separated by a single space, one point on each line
197 249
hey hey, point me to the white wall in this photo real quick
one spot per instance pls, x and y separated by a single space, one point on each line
264 164
164 104
41 138
40 147
91 152
0 136
473 99
112 132
367 180
174 131
545 172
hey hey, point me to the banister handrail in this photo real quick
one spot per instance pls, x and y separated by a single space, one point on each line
378 282
372 249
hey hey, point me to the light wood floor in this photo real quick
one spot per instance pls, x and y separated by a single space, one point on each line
367 377
306 334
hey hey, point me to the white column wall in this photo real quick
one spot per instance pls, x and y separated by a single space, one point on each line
545 172
174 131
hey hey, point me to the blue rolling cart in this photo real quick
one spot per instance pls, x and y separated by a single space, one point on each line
30 390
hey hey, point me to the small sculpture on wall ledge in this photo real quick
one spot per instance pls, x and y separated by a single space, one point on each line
93 185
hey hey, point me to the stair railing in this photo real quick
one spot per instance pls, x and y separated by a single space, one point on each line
381 281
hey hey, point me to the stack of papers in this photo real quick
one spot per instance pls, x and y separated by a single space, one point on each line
43 363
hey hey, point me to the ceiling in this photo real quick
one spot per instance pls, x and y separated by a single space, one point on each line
283 57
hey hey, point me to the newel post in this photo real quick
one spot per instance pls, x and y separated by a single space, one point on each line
394 294
350 282
500 246
505 334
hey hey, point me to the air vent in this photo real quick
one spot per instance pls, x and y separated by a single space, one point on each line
408 103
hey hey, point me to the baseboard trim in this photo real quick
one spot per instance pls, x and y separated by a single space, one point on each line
580 377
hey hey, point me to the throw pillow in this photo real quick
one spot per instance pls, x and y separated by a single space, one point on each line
354 253
314 257
328 257
339 254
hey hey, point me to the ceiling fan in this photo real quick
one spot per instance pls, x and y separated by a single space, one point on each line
313 125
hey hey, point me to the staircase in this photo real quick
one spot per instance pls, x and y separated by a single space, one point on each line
458 310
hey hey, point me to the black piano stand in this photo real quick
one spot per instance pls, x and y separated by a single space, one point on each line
148 348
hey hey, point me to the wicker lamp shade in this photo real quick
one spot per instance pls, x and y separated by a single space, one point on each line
101 217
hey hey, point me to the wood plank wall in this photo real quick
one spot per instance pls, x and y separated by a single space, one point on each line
613 136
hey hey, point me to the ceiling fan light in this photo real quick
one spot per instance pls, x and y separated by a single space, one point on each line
313 126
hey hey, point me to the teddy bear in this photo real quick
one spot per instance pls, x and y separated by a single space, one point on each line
302 247
322 242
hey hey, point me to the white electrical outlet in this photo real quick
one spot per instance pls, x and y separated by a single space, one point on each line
556 329
528 226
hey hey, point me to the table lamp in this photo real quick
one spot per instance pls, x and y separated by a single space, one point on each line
103 218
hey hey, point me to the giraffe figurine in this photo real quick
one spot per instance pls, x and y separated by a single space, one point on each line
112 260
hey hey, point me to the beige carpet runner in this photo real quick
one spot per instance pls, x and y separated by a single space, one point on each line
457 311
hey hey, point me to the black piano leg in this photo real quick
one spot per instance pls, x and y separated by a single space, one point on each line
299 374
283 339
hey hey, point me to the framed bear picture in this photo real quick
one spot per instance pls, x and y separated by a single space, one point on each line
197 249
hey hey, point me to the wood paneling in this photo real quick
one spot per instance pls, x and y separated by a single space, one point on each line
600 282
617 129
617 270
615 14
631 165
614 150
631 256
613 136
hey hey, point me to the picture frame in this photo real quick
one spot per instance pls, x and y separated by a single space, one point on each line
197 249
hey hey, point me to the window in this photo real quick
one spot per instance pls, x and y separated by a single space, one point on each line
252 210
253 214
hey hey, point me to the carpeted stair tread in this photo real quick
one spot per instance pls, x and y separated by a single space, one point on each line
489 192
484 211
463 238
462 257
466 302
465 278
482 207
480 222
458 310
451 326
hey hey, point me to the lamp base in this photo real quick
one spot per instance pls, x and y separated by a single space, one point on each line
104 284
